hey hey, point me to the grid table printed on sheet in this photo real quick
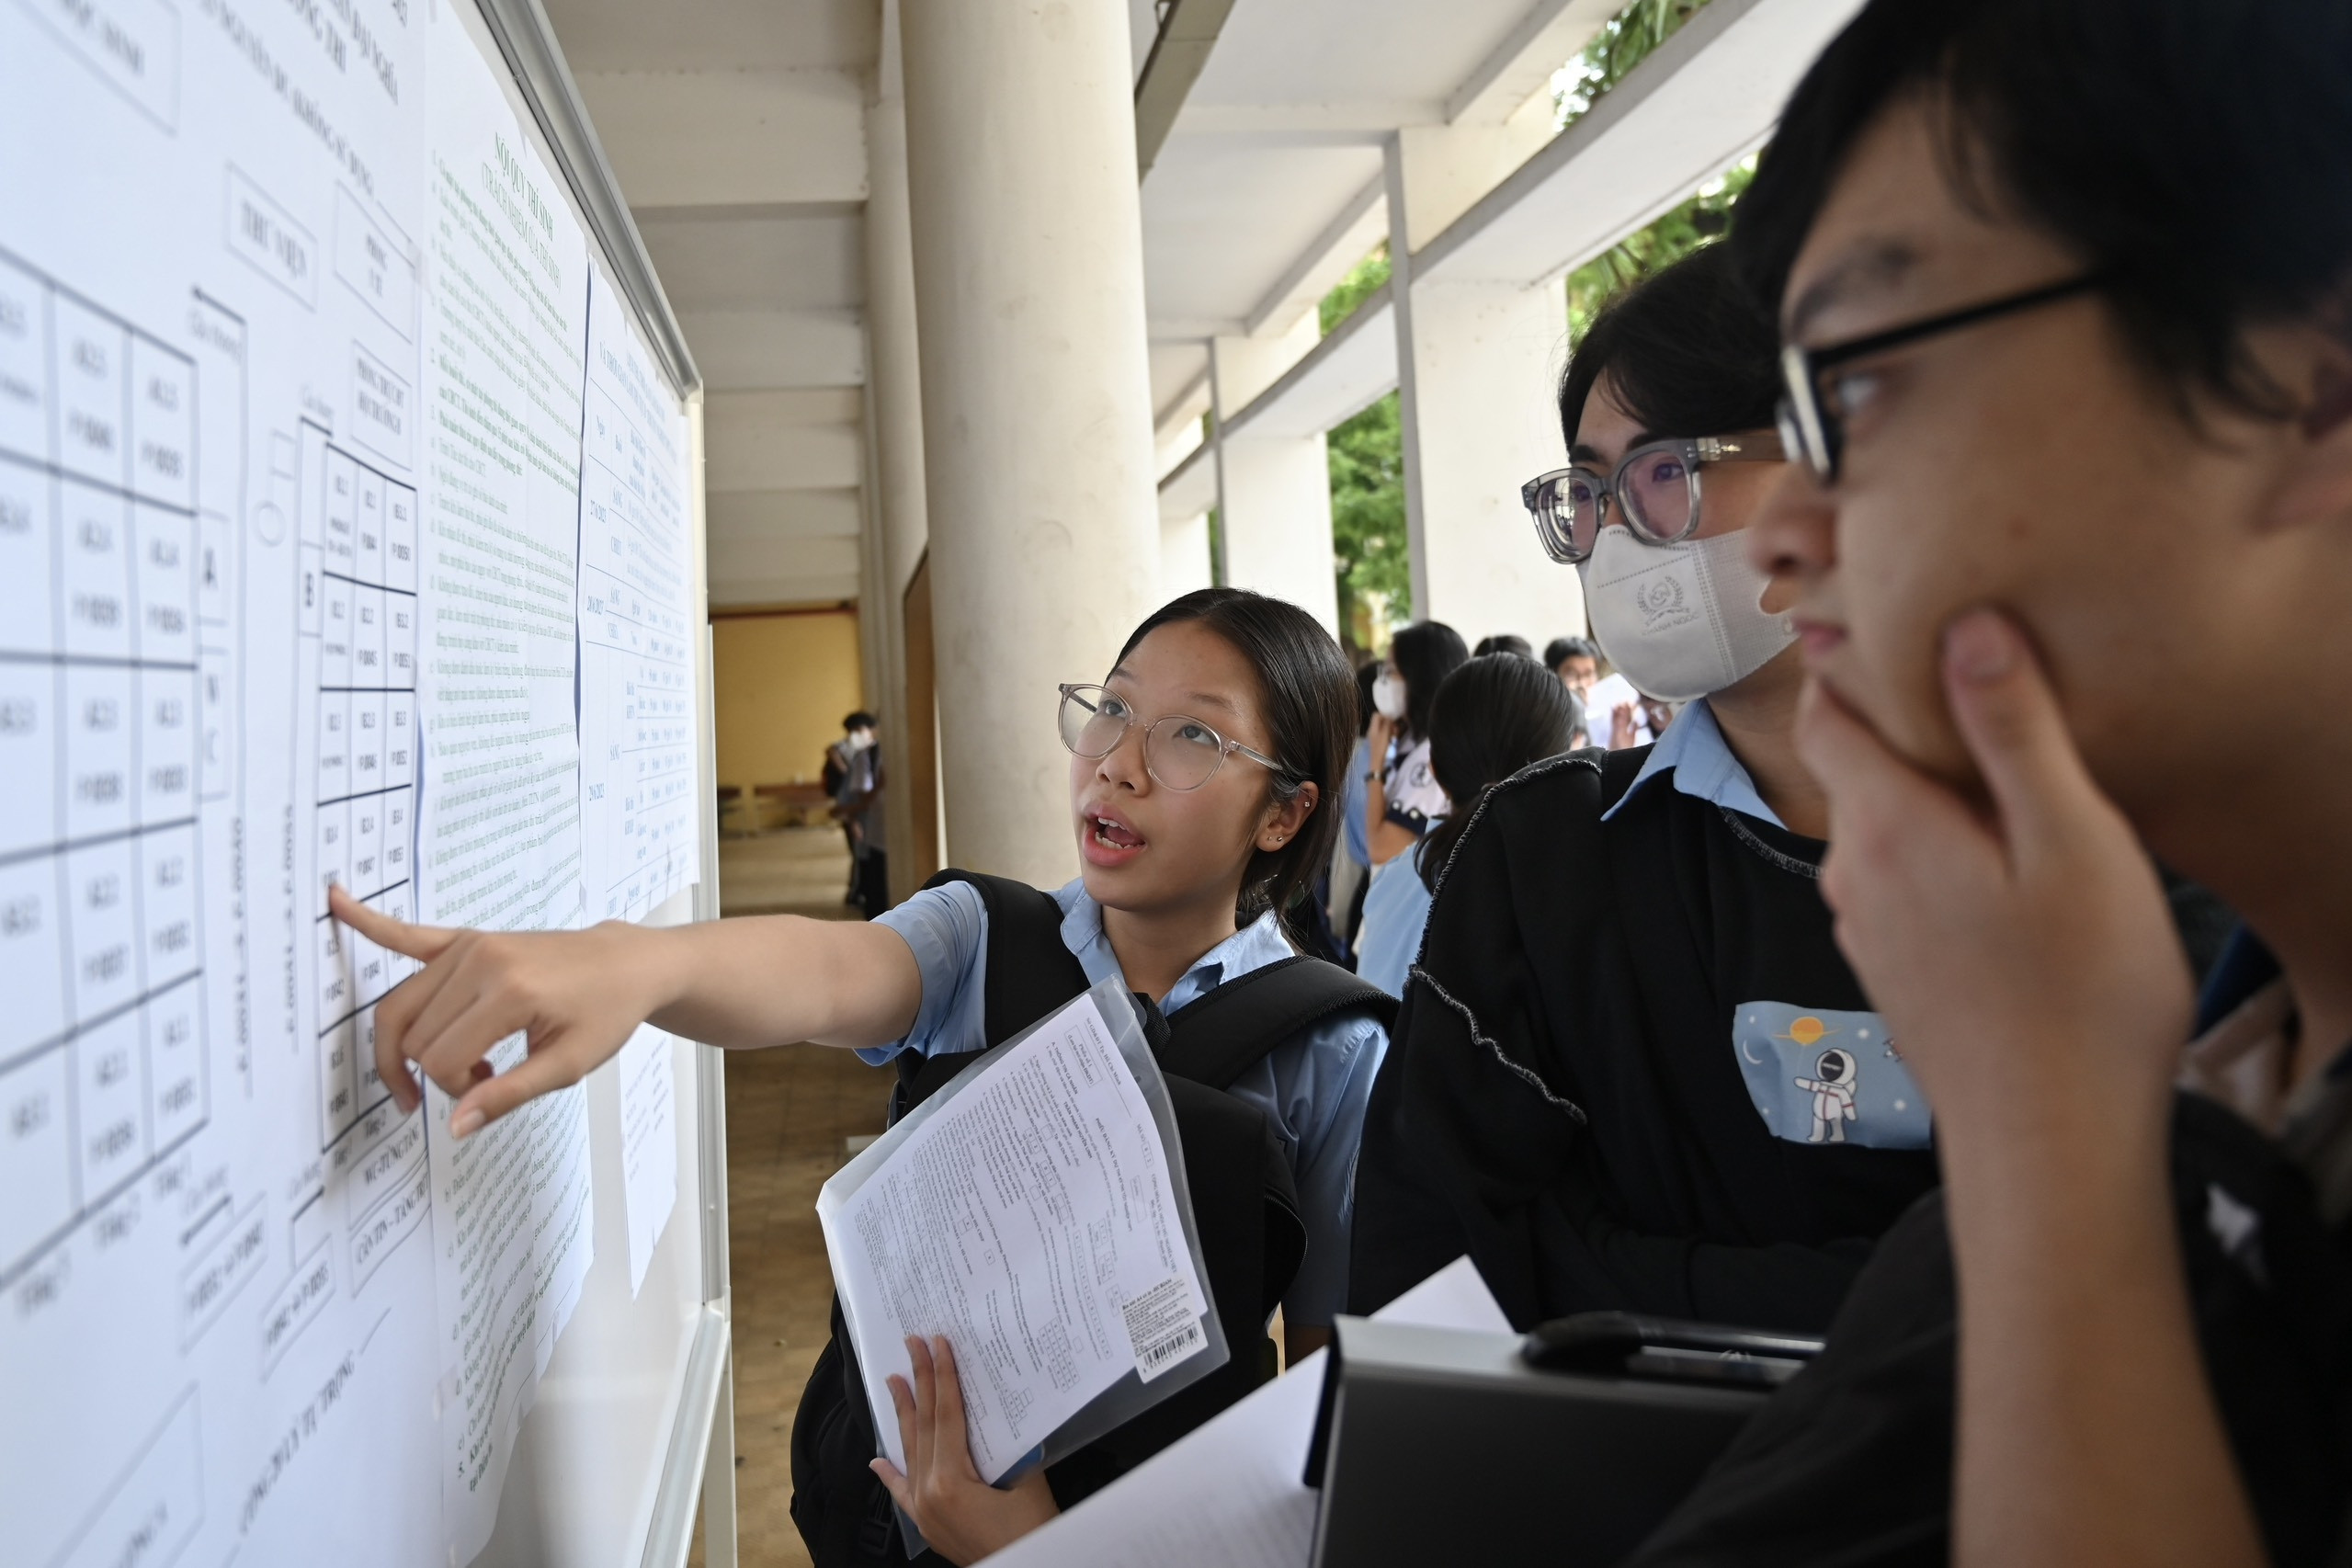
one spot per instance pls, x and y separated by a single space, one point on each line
102 1039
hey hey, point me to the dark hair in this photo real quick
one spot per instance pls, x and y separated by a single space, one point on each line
1305 685
2201 153
1424 654
1504 643
1688 351
1366 674
1560 649
1492 717
862 719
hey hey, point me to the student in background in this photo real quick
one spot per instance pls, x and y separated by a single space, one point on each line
2071 381
1351 856
1493 716
1200 777
1578 665
857 733
858 803
1404 795
1504 643
1629 977
1621 717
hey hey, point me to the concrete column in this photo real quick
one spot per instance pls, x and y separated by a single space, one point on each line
1037 412
1478 367
1275 490
1278 522
895 510
1183 555
1485 366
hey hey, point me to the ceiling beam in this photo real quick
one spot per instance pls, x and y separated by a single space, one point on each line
1188 32
1522 64
1347 239
1310 125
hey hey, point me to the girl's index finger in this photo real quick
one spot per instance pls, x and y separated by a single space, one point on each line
424 943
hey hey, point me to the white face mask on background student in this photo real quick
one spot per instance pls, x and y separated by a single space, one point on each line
1679 620
1388 694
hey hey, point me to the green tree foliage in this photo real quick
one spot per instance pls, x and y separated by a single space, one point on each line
1627 39
1366 457
1363 280
1697 221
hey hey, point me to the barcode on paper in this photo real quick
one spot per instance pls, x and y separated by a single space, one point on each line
1161 1327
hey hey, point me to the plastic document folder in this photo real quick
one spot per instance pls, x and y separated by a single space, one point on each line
1441 1445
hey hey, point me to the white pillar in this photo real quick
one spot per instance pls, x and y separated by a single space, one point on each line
894 510
1478 369
1275 490
1183 555
1037 411
1278 522
1485 366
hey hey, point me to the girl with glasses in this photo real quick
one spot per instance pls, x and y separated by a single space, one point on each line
1200 769
1629 1010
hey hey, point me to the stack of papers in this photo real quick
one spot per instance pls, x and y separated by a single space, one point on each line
1230 1495
1028 1213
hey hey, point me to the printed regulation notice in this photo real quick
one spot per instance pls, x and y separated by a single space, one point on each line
1030 1219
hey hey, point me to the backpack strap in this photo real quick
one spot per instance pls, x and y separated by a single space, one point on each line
1029 974
1217 1037
1618 770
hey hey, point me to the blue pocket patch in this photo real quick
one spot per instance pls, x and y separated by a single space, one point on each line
1821 1076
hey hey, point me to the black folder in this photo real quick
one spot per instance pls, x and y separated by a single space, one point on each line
1567 1447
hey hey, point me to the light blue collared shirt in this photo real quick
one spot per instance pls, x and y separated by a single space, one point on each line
1396 908
1694 751
1314 1087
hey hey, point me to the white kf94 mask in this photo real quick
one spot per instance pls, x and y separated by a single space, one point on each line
1679 620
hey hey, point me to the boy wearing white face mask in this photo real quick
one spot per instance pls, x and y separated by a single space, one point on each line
1599 1085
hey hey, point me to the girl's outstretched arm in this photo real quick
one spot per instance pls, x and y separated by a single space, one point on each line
578 996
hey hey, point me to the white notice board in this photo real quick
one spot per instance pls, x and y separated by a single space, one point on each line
350 531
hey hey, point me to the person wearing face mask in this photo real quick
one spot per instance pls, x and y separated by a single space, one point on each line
1405 797
1629 1009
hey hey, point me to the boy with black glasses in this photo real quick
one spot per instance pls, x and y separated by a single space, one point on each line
2065 287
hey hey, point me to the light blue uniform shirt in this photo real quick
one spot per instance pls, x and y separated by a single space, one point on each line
1694 751
1314 1087
1396 906
1353 803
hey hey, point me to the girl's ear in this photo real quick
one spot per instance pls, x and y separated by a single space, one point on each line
1284 819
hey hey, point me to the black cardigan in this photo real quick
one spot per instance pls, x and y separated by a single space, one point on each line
1563 1098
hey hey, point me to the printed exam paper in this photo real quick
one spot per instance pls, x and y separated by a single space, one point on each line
1030 1219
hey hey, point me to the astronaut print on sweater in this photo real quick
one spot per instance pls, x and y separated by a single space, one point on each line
1818 1076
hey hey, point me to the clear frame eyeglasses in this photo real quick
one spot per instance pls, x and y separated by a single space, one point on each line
1655 490
1179 753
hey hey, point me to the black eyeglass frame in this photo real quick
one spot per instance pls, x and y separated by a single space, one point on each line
1225 748
1815 436
1696 452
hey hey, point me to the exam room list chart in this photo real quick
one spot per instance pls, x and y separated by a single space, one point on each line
102 1038
360 601
637 740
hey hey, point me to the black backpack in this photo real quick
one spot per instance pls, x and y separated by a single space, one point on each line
1244 1201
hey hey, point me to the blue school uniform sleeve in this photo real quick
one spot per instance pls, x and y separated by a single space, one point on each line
1324 1082
947 929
